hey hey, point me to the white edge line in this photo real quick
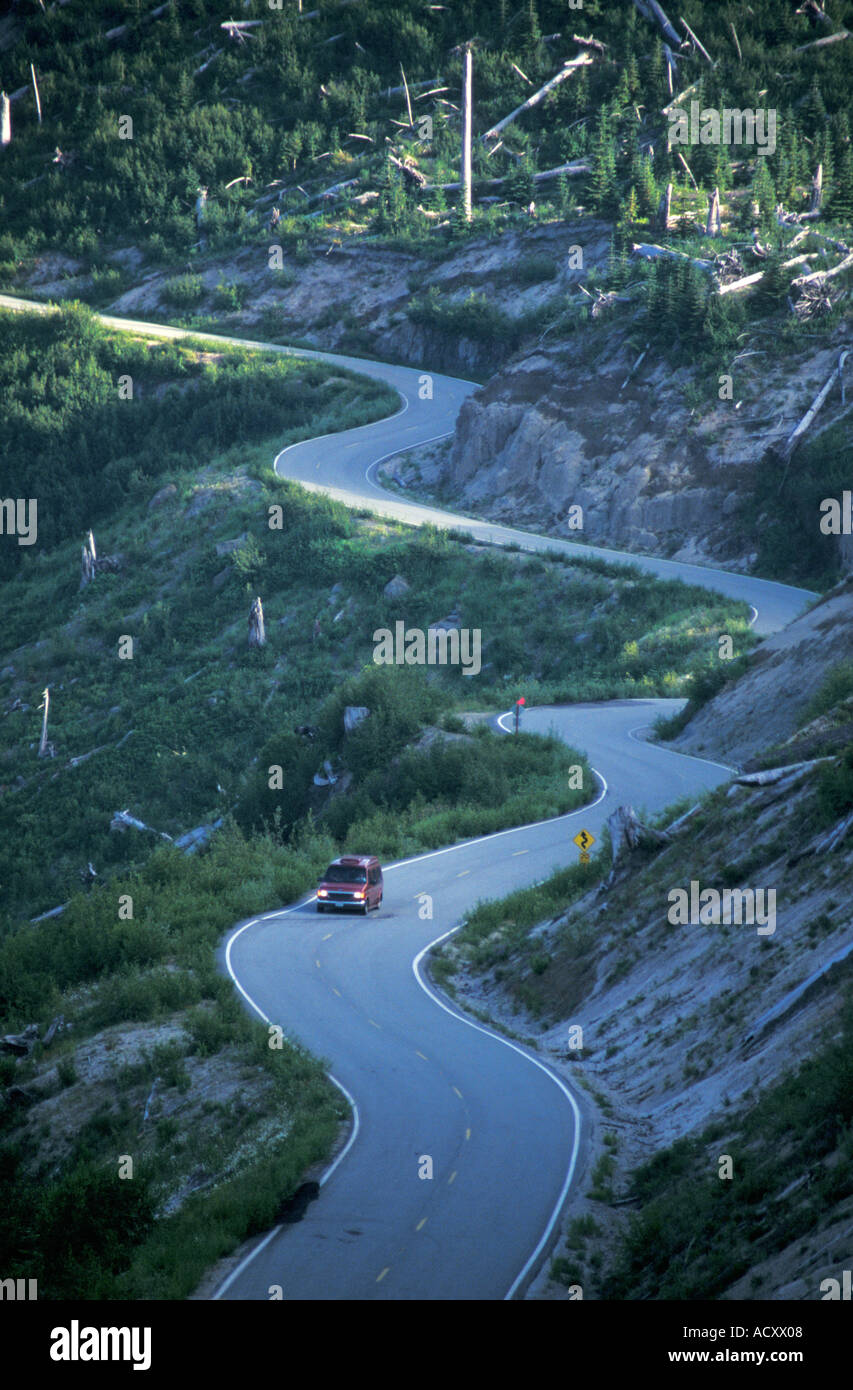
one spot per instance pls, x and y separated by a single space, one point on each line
356 1125
677 751
341 434
536 1063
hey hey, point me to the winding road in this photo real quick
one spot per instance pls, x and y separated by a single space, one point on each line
502 1131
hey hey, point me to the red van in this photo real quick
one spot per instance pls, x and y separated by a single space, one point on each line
351 881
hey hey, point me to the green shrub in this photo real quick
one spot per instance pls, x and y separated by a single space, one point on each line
183 291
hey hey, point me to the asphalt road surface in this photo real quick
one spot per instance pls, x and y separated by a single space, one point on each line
503 1131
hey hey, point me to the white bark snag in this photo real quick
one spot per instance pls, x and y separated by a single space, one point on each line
36 92
44 747
88 561
817 190
664 208
408 98
713 225
466 133
257 635
200 206
689 170
5 120
568 68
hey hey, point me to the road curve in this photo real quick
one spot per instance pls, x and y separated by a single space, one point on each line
502 1131
344 466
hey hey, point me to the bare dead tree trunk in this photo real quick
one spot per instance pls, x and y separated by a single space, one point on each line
676 101
628 833
650 9
701 47
45 748
736 42
579 167
821 43
257 635
88 561
689 170
5 120
36 92
713 225
671 68
568 68
466 133
786 449
817 191
408 98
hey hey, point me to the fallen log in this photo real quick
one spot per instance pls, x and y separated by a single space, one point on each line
582 60
409 172
770 775
651 10
702 49
821 43
21 1044
651 252
786 449
56 1025
737 285
589 43
628 833
665 110
822 275
633 370
579 167
123 820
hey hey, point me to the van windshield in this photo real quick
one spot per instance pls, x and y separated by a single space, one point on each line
345 873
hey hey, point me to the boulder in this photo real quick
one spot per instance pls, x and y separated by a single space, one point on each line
396 587
353 715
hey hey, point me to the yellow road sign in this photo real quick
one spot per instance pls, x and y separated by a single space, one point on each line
583 840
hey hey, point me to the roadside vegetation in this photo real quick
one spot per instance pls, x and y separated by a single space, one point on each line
694 1235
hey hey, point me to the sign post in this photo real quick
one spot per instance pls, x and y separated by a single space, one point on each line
518 704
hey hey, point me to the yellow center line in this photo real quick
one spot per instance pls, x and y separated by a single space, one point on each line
420 1054
458 1092
337 992
467 1134
452 1176
421 1223
372 1024
381 1276
328 936
463 873
317 963
516 852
